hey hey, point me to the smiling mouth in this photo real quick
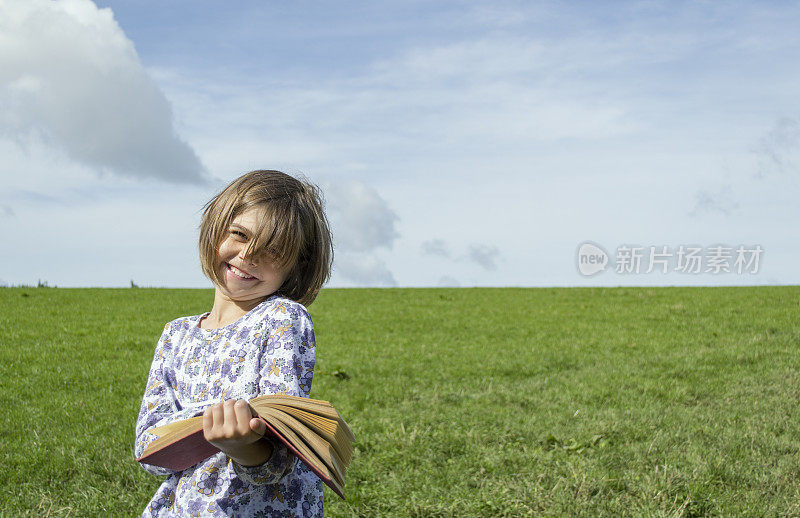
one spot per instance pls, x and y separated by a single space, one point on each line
238 273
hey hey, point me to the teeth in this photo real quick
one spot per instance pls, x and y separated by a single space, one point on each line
239 272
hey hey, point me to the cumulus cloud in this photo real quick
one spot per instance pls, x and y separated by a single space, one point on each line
483 255
363 269
71 78
435 247
362 223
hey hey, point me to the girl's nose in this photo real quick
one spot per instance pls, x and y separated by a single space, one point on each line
244 259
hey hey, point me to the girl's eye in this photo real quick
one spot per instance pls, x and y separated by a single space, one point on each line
237 233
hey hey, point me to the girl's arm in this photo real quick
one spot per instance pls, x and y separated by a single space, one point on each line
286 366
159 405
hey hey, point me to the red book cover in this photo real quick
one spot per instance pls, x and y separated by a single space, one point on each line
194 448
183 453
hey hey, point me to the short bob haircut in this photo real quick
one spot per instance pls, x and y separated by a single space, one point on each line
293 229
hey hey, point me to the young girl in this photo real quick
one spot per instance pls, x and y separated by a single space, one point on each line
266 244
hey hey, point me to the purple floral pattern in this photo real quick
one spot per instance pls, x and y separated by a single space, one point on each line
269 350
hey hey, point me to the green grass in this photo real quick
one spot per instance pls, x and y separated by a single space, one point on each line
465 402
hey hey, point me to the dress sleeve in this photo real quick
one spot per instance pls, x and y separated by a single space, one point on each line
159 405
286 366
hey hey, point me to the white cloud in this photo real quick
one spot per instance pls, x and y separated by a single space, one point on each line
363 269
361 219
553 126
71 78
362 223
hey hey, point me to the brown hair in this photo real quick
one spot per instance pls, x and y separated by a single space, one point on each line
292 228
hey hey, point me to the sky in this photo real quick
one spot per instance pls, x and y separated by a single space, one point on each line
485 143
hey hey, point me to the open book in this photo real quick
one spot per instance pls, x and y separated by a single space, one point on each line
312 429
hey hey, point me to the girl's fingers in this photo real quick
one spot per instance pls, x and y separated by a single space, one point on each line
258 426
208 422
218 416
230 417
231 420
243 416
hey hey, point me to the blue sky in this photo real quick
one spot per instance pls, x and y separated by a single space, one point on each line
458 144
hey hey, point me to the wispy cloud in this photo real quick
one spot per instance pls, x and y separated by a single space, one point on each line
720 201
435 247
471 98
485 256
778 152
476 93
28 196
69 77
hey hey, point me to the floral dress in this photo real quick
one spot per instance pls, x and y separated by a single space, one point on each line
270 350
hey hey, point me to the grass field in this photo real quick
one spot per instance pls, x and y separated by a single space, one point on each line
465 402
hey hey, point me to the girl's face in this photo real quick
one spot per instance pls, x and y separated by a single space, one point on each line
246 280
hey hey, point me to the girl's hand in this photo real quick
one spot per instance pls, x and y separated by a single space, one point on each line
231 427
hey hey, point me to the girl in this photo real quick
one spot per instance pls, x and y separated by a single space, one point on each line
265 243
